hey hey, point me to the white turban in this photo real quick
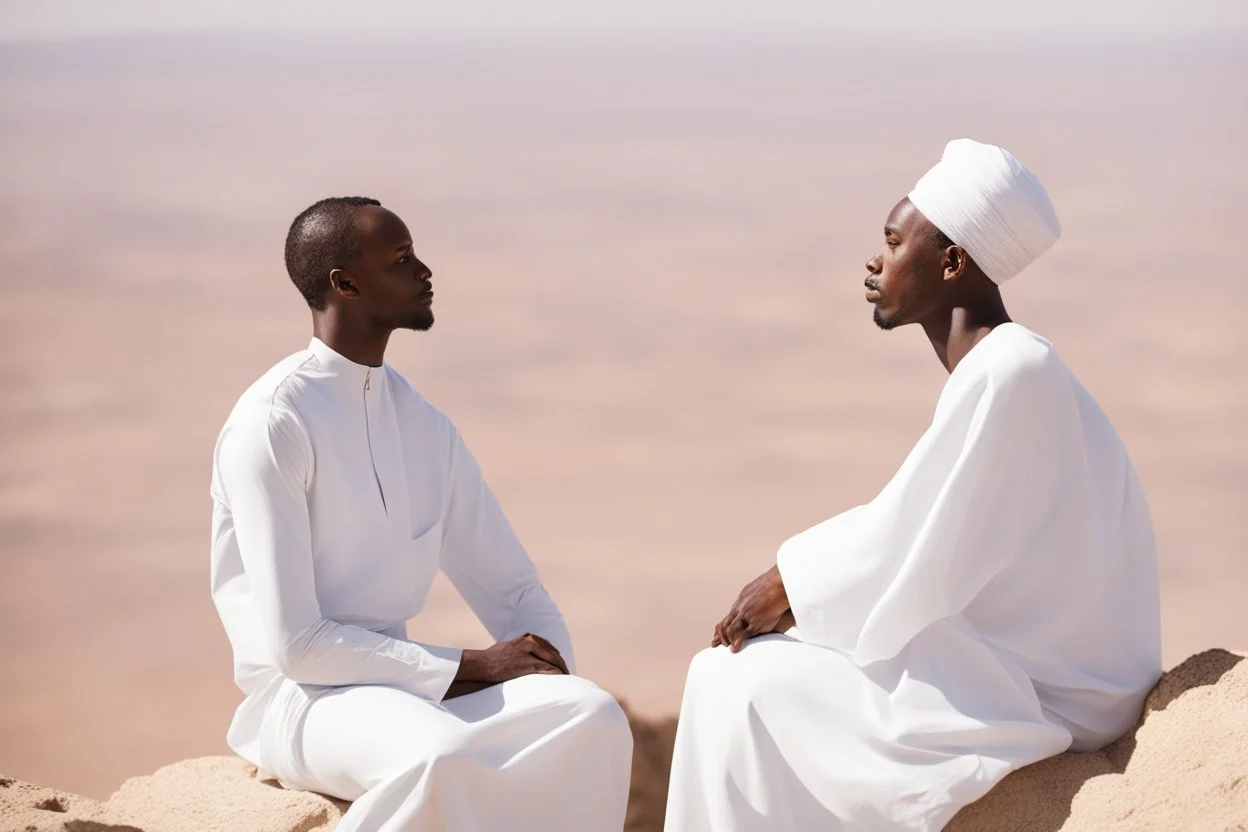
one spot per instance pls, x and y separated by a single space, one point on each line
985 201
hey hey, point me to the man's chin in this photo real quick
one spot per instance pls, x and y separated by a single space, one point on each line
886 322
422 323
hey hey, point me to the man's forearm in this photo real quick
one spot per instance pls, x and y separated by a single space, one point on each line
331 653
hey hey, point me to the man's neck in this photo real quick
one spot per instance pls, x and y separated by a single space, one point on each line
956 331
351 342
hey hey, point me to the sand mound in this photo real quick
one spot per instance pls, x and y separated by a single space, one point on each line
211 794
28 808
219 794
1185 767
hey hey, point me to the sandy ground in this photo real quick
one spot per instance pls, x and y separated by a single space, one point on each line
651 325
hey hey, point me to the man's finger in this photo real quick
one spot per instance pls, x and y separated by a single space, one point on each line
739 639
543 641
554 650
547 669
552 654
733 627
547 654
740 630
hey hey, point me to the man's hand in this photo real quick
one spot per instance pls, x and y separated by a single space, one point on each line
507 660
762 607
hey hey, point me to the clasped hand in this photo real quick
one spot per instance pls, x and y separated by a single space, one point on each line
762 607
521 656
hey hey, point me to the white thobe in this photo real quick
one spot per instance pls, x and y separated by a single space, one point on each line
996 604
338 493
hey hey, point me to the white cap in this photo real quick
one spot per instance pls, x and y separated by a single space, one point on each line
985 201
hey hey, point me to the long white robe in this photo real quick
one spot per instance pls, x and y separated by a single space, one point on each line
338 493
996 604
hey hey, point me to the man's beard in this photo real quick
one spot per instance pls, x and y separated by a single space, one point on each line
887 322
422 322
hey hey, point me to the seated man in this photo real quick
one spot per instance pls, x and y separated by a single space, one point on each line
996 604
338 494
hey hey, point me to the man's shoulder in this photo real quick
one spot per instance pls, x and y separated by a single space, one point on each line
1012 364
263 425
1016 354
273 396
1024 376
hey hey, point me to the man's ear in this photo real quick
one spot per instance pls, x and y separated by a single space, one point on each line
954 261
342 283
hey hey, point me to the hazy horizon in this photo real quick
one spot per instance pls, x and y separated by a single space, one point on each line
57 18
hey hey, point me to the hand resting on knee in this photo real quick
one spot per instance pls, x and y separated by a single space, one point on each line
506 660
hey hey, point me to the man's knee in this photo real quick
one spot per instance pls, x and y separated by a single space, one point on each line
592 713
709 667
717 674
608 723
599 708
585 709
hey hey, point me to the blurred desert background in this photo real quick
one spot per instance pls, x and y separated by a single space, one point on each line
648 249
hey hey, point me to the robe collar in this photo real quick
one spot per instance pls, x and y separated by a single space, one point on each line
350 377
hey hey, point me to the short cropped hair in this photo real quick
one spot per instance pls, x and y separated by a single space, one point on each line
940 239
322 238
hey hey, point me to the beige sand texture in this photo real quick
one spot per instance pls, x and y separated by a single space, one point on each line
208 794
28 808
1184 767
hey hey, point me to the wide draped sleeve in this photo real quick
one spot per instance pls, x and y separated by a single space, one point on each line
981 483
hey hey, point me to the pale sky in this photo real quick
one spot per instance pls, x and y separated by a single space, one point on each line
26 19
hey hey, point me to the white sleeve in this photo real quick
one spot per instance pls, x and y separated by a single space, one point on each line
973 497
487 564
264 465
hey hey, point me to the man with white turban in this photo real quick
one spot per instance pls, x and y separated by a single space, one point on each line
995 604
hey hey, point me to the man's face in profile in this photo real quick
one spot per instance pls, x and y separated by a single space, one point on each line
394 285
905 281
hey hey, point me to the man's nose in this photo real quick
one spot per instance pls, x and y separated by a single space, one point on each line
873 265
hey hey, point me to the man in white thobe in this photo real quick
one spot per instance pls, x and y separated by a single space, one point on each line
995 604
339 492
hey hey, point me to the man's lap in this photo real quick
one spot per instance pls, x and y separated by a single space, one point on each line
776 664
353 738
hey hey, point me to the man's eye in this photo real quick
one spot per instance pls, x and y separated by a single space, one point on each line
891 243
405 258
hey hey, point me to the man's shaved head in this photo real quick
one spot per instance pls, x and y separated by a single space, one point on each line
324 237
